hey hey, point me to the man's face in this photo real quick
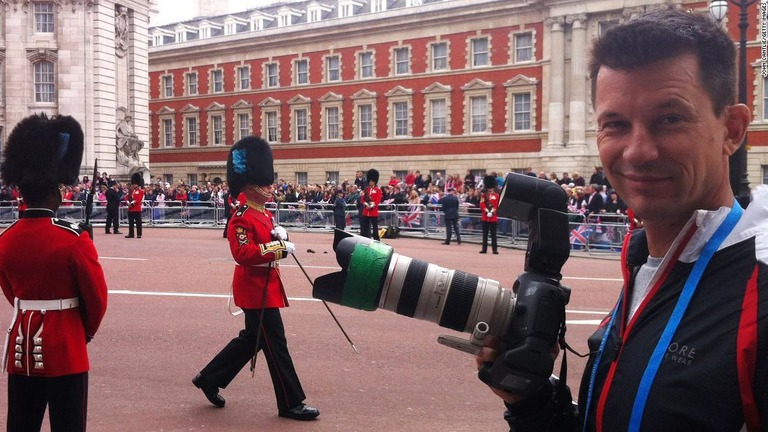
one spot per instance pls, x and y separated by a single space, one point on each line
661 145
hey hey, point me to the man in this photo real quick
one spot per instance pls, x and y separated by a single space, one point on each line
340 210
450 206
594 199
370 199
257 245
489 205
134 198
50 273
683 349
113 207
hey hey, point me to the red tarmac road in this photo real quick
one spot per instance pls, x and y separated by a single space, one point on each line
168 316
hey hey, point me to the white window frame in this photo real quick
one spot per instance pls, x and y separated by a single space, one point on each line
473 89
167 131
166 86
398 53
297 105
271 80
363 98
244 77
271 110
518 48
395 98
478 114
477 54
520 84
44 77
45 17
332 68
244 128
191 131
365 70
515 112
444 58
216 124
379 5
433 93
301 77
192 83
217 81
331 125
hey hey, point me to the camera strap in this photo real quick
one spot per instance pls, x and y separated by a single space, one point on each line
677 314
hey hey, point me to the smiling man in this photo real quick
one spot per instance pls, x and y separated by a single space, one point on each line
684 348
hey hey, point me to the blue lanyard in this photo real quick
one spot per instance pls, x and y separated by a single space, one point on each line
674 321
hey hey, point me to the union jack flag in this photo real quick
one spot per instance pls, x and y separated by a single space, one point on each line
579 236
410 219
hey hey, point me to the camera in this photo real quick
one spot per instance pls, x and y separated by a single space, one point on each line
528 319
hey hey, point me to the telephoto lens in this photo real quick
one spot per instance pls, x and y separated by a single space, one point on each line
373 276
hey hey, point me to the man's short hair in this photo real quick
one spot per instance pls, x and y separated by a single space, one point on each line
666 34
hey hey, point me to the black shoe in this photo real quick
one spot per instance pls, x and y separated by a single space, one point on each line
129 236
483 252
210 392
495 252
300 412
138 237
118 232
107 232
445 243
458 242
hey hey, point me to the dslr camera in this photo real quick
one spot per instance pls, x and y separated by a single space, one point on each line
528 318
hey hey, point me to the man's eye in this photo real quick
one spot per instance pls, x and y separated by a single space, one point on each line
613 125
670 120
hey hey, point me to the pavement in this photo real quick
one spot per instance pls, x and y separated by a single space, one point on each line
168 315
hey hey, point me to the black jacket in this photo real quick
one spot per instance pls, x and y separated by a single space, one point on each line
450 205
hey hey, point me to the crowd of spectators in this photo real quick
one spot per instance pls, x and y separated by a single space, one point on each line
584 198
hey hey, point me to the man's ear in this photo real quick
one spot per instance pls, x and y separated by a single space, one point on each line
736 122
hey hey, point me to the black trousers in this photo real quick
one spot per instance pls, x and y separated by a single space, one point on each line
227 363
134 218
368 222
452 225
113 220
66 398
489 227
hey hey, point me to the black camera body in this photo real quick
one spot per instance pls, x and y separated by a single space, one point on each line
528 319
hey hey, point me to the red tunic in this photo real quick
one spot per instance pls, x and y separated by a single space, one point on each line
374 196
137 196
253 249
492 202
42 258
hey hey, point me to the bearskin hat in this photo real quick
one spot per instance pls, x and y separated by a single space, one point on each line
42 153
137 179
489 182
373 175
249 162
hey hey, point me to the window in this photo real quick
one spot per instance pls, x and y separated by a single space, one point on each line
191 129
402 61
765 98
480 52
400 175
366 64
333 68
440 56
217 131
168 178
401 118
44 18
302 72
301 178
346 10
301 124
167 82
217 77
365 120
45 82
765 174
479 114
167 133
192 83
438 116
378 5
270 70
315 15
523 47
332 176
243 125
332 123
271 125
522 111
192 179
244 77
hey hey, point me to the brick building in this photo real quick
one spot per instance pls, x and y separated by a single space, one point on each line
437 86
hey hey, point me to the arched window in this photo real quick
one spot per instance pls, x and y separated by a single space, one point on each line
45 82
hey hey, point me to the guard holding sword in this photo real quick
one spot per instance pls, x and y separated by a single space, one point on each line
257 246
58 310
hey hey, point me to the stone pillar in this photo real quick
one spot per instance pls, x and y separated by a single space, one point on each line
557 81
578 97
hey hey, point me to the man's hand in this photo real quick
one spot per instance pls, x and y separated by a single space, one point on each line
289 247
279 233
488 354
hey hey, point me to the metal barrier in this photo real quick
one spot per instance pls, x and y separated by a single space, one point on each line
596 234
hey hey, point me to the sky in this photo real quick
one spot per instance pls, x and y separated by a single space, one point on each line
171 11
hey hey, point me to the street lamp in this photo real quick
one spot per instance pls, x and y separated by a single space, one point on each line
738 161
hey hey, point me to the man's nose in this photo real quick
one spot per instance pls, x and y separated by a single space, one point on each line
641 145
